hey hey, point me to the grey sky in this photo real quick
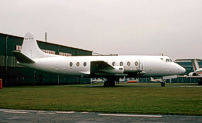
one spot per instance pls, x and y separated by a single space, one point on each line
151 27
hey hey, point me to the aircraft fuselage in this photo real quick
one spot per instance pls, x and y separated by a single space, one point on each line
80 65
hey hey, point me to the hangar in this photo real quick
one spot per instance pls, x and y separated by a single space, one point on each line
14 74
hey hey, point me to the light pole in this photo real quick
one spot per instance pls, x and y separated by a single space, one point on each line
6 61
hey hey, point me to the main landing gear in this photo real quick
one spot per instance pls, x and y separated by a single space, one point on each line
111 81
163 84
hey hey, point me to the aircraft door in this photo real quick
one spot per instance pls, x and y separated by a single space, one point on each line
140 66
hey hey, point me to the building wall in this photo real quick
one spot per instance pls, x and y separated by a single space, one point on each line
14 74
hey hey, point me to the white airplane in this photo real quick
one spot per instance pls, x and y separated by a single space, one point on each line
110 68
197 74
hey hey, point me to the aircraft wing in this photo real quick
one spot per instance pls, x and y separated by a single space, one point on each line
102 68
98 66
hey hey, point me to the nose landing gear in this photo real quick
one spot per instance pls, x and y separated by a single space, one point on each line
163 84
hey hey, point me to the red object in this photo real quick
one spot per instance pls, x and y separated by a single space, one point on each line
132 81
1 84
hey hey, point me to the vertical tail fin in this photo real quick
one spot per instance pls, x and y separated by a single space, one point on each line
30 47
195 64
152 79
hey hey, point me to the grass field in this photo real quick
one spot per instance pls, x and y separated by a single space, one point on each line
124 98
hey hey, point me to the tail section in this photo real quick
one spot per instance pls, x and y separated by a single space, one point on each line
30 47
195 64
152 79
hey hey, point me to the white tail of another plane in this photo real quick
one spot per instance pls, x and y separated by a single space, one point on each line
195 64
152 79
30 47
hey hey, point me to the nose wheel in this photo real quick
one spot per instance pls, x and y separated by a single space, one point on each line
163 84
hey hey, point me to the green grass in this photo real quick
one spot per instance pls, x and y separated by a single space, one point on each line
125 98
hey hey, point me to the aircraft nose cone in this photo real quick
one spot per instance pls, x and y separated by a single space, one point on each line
182 70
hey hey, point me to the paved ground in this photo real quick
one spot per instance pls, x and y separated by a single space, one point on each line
20 116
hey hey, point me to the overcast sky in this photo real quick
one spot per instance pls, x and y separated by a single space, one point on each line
149 27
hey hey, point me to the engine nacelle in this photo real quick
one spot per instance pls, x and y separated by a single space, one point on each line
123 70
193 74
116 70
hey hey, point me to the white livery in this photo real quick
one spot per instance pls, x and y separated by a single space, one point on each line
110 68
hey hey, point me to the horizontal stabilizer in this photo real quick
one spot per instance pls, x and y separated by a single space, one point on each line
22 58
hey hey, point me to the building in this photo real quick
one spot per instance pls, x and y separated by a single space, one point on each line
14 74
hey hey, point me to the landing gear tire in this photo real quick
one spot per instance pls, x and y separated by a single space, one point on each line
110 82
163 84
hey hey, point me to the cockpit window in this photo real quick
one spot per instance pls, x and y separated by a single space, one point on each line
168 60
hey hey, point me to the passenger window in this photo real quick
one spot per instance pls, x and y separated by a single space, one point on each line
70 64
128 63
77 64
84 64
121 63
113 63
136 63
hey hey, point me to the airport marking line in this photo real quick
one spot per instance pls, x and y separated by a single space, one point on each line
51 113
129 115
3 109
84 112
12 118
65 112
17 112
189 86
